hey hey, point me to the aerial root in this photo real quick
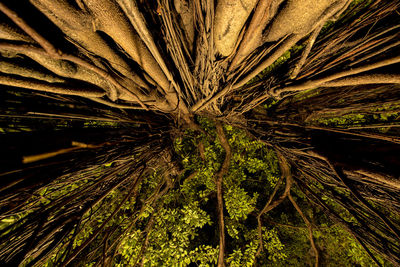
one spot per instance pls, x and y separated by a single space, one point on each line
286 173
219 182
309 227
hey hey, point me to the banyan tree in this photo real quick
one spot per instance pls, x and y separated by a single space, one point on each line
114 84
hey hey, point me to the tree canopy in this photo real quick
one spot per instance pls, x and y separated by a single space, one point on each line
199 133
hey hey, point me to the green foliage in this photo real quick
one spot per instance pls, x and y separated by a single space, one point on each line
179 236
273 245
302 95
243 258
130 245
170 239
253 171
348 251
180 228
376 116
238 203
285 57
348 119
173 232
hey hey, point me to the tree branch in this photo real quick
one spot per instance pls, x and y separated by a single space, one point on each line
75 146
364 79
131 10
320 82
63 56
50 49
58 88
113 105
53 52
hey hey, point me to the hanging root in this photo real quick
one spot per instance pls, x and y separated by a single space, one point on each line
219 182
306 52
285 171
309 227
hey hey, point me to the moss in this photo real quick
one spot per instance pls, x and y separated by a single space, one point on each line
358 119
279 62
270 103
349 119
358 2
90 124
361 3
387 107
306 94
